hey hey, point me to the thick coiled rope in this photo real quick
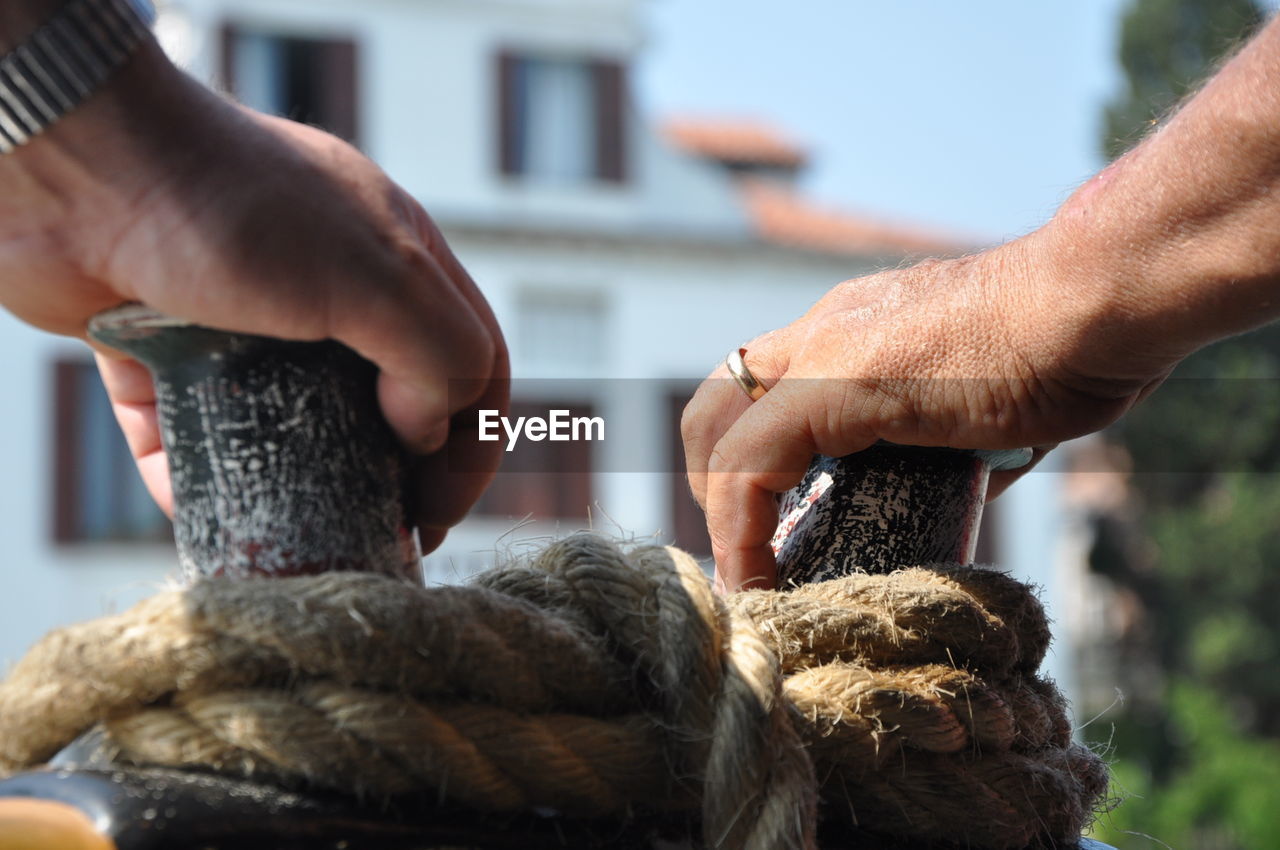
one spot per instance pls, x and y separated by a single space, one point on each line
595 681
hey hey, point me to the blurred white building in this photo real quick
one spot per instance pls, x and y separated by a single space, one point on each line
610 248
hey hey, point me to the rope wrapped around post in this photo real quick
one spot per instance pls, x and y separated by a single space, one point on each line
595 681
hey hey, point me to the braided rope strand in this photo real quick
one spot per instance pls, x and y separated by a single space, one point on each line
594 681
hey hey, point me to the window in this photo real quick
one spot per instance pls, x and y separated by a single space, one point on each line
561 329
542 479
560 119
307 79
98 496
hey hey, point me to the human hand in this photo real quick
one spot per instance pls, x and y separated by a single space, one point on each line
160 192
980 352
1171 247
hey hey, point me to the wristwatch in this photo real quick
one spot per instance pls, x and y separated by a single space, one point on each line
64 61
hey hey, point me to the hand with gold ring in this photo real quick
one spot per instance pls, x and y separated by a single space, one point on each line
1047 337
978 352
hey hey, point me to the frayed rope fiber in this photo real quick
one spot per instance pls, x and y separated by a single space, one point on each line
595 681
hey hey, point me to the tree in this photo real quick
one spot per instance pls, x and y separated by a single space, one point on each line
1201 558
1167 48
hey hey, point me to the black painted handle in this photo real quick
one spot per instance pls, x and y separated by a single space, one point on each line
887 507
280 460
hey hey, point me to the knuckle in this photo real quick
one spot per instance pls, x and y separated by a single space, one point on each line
693 417
719 461
870 404
688 422
727 464
721 513
500 354
721 542
699 494
473 351
484 347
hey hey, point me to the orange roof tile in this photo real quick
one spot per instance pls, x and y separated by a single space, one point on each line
735 141
782 216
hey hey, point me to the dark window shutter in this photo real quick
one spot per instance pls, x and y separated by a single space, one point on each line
339 89
66 449
610 83
96 488
227 57
510 120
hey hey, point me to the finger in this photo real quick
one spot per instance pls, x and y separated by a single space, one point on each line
154 469
1002 479
133 400
436 245
447 483
421 334
400 399
414 412
718 403
766 451
126 380
28 288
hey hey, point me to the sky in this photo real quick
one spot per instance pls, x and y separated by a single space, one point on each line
978 117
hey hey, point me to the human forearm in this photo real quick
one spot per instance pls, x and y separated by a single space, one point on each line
1177 244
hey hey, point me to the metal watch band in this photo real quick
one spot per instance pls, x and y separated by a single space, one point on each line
64 61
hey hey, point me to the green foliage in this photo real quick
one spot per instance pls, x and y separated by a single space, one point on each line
1219 413
1224 795
1197 743
1219 559
1198 759
1166 47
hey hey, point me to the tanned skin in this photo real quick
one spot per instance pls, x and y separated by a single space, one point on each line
1048 337
159 191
